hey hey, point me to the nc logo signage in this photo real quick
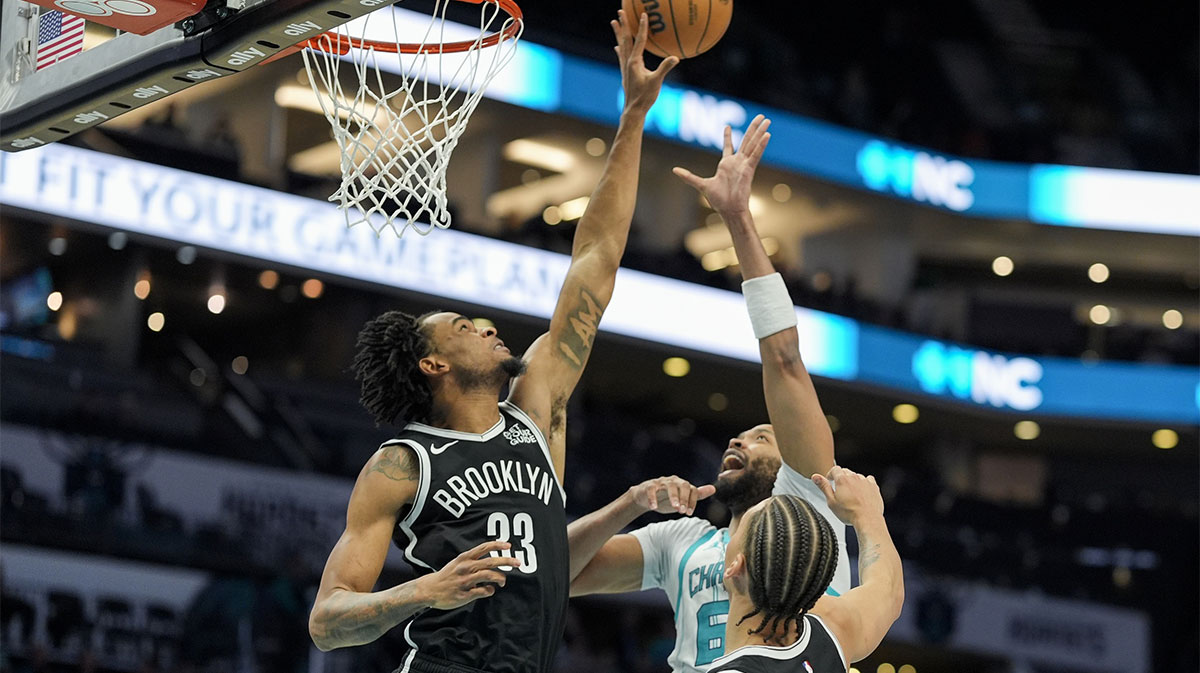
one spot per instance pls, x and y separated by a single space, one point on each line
978 376
916 175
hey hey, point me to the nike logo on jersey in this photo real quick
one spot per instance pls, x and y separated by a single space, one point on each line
435 450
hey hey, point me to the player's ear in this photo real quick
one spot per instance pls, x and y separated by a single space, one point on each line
433 366
735 573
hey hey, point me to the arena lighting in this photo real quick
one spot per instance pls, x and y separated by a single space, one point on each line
781 192
1002 266
907 668
197 377
573 209
54 300
551 215
312 288
1165 438
676 367
58 246
1172 319
296 232
718 402
240 364
1100 314
1098 273
885 668
530 176
539 154
1027 430
268 279
905 414
117 240
595 147
216 302
185 255
141 289
156 321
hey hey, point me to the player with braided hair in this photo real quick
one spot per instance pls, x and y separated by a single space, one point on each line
471 487
776 565
685 557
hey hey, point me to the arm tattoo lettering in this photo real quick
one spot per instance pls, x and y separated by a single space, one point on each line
867 558
397 463
576 343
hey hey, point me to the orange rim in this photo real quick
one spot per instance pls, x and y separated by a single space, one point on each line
336 43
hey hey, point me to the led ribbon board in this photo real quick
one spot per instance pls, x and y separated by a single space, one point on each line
305 233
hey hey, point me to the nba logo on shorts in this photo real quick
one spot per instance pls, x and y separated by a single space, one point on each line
808 667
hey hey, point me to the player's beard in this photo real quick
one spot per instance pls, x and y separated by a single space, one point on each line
496 377
752 486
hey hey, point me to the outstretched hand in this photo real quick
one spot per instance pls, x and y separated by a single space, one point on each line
728 191
852 496
670 494
641 85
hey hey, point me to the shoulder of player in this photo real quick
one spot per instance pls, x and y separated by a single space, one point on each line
393 470
683 531
836 617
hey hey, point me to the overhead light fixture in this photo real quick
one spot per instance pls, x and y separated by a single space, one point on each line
312 288
1027 430
1002 266
539 154
676 367
574 209
905 414
268 279
1165 438
156 321
1100 314
54 300
1098 273
1172 319
781 192
216 302
240 364
58 246
141 289
595 146
718 402
552 215
117 240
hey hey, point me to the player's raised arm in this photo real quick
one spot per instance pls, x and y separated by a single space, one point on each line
803 434
603 562
861 618
346 611
556 361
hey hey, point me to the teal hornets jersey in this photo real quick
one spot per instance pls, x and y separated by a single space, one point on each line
685 557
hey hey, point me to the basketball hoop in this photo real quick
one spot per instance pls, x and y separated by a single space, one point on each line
397 127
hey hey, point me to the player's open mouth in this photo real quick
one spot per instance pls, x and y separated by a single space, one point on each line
500 346
732 461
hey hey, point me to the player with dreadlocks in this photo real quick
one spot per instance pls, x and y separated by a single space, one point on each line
471 487
777 565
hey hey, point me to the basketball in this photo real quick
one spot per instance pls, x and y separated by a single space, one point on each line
682 28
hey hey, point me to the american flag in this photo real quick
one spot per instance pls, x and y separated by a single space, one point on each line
60 36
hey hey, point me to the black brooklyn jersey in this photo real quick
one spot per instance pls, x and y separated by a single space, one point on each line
817 651
474 488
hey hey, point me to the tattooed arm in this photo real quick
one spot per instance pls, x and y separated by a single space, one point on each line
555 362
861 618
347 612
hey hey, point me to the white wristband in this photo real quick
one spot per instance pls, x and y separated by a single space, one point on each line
769 305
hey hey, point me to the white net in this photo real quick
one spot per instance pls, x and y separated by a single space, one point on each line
397 117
